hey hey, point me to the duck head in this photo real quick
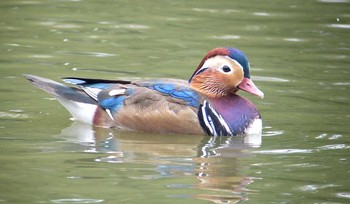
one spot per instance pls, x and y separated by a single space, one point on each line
223 71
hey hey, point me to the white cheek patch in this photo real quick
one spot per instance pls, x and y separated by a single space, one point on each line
218 62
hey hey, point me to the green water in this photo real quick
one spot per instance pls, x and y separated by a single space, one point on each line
299 52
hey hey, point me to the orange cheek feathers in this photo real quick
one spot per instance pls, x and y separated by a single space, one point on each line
209 84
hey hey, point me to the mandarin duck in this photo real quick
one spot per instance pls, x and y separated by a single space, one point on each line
206 104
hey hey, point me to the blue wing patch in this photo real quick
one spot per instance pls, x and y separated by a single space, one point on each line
84 83
99 90
101 86
112 103
180 92
74 81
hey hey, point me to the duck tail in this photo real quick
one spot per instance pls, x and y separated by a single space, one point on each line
81 106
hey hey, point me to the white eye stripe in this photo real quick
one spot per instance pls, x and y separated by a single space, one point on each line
206 64
216 61
235 61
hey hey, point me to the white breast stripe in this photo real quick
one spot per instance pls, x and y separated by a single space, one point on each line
221 120
214 121
205 118
212 125
109 114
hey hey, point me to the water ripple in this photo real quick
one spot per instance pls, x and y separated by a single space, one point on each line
317 187
77 200
132 26
13 115
115 159
214 10
346 26
271 79
334 1
334 146
94 54
334 137
341 83
42 56
272 133
284 151
178 186
343 195
261 14
331 137
227 37
205 10
99 54
17 45
60 25
293 39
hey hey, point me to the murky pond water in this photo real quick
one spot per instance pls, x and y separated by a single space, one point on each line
299 53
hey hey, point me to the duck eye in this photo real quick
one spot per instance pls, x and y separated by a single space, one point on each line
226 69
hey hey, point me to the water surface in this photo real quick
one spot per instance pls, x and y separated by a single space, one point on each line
299 54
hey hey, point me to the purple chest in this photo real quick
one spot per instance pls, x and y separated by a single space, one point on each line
229 115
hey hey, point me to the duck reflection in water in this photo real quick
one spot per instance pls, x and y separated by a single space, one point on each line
214 161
